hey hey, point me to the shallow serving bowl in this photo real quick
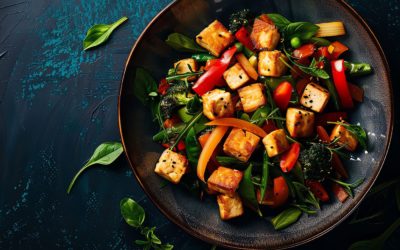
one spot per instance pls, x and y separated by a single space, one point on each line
201 218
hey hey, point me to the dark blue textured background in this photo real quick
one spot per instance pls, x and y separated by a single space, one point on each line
57 103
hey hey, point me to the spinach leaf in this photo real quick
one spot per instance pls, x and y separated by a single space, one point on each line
280 21
286 218
144 86
193 148
357 131
247 191
265 175
99 33
183 43
188 126
105 154
260 115
302 30
132 212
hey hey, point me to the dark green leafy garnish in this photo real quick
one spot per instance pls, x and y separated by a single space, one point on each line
239 19
183 43
357 131
349 186
247 191
316 161
286 218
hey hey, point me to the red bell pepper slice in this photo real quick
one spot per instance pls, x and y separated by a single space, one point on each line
163 87
207 81
301 85
269 126
304 51
322 52
289 158
337 49
318 190
323 119
243 36
282 95
210 63
342 87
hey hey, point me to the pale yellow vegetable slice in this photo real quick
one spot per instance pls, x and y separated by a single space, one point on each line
330 29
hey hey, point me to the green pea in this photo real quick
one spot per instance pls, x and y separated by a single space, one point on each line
295 42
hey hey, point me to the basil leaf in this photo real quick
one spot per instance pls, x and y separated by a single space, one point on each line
99 33
247 191
183 43
280 21
105 154
260 115
302 30
265 175
132 212
286 218
193 148
144 84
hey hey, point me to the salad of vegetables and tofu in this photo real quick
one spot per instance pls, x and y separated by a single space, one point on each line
256 115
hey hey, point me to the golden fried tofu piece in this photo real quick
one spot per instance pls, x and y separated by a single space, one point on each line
229 206
265 35
315 97
275 142
252 97
184 66
346 138
217 103
236 77
171 166
299 122
215 38
240 144
269 63
225 180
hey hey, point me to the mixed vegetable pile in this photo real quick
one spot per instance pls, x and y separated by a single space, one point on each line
246 117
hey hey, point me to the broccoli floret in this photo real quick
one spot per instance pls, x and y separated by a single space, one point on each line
176 96
316 161
239 19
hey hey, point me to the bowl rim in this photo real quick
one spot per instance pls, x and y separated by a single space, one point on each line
347 213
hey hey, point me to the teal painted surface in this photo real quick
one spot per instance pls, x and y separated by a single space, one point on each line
50 123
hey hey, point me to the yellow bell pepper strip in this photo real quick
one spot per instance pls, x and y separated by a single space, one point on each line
208 149
238 123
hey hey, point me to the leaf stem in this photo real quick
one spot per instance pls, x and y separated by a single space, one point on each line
76 177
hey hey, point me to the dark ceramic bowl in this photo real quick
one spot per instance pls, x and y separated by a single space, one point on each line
201 218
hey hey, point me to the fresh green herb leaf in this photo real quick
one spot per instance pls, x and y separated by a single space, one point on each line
105 154
165 134
233 162
193 147
245 116
194 105
273 82
247 191
357 131
238 19
99 33
132 212
304 196
188 126
378 242
348 187
286 218
297 173
332 91
203 57
302 30
260 115
144 84
180 76
358 69
265 175
183 43
319 41
305 208
280 21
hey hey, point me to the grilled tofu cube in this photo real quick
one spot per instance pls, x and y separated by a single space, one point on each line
275 142
264 35
229 207
171 166
269 63
217 103
225 180
236 77
184 66
215 38
346 138
315 97
299 122
240 144
252 97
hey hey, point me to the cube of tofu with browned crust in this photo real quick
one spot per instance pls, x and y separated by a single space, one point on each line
315 97
215 38
218 103
275 142
265 35
346 138
229 206
183 66
269 63
299 122
171 166
225 180
240 144
252 97
236 77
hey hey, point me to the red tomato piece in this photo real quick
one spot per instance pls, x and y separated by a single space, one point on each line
181 146
163 87
269 126
304 51
318 190
282 95
289 158
243 36
281 192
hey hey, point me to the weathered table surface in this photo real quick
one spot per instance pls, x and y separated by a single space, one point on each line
57 103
